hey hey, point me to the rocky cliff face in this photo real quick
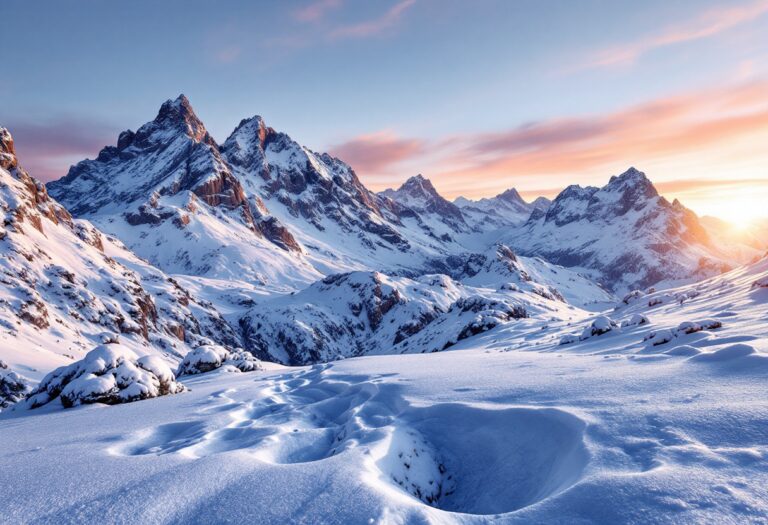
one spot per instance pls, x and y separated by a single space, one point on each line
309 188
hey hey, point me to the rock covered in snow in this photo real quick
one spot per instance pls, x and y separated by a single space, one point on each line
601 325
635 320
109 374
13 387
211 357
666 335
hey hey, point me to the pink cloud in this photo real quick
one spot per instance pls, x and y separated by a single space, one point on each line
47 149
377 152
708 24
375 26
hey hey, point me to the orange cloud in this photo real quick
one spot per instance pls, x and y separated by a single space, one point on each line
708 24
375 26
717 135
686 124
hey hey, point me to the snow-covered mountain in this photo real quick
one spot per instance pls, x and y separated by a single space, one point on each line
503 210
66 286
624 234
166 191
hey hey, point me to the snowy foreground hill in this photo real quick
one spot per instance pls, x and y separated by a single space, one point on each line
194 332
511 426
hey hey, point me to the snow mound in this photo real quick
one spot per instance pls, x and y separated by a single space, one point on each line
683 350
210 357
109 374
725 354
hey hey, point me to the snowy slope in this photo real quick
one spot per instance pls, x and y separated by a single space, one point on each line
624 233
509 427
65 284
362 313
500 268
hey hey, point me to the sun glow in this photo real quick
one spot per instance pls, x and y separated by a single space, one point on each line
740 203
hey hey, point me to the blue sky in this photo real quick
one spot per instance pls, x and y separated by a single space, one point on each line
479 96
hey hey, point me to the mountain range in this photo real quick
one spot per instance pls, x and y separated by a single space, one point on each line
173 242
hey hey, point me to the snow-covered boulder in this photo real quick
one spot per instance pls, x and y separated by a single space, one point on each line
660 337
601 325
635 320
210 357
108 374
690 327
13 387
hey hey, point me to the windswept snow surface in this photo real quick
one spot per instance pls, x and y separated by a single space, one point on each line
509 426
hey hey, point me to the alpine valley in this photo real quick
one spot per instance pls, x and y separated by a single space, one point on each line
473 361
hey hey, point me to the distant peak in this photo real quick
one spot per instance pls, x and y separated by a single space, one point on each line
511 195
419 182
7 150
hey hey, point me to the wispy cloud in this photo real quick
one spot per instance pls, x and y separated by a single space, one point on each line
374 26
378 152
708 24
663 127
316 10
728 124
46 149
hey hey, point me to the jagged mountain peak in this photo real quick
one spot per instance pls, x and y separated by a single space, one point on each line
418 193
179 114
632 180
246 144
419 185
